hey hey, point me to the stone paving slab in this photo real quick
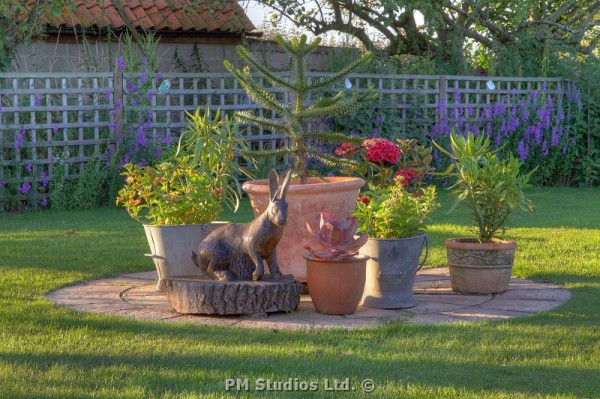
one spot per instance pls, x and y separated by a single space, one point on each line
134 295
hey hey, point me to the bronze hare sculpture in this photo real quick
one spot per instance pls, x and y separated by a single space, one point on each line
238 251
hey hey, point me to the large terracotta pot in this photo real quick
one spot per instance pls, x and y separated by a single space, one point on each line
477 268
336 285
392 270
171 248
337 195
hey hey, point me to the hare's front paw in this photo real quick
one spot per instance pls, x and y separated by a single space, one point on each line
256 276
222 275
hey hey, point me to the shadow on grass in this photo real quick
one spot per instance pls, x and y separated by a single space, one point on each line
381 354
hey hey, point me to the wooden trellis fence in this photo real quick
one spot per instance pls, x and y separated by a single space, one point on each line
51 120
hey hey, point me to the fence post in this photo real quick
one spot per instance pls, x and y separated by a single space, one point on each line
119 104
442 99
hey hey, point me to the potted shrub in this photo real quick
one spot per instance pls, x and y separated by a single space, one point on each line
491 189
392 212
336 270
307 195
179 200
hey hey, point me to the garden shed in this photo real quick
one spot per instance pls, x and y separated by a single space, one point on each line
192 35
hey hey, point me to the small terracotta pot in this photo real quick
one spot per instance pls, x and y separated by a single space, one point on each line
477 268
336 285
337 195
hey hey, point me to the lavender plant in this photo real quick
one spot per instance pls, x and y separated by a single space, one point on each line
535 128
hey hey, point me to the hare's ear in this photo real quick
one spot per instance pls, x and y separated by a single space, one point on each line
273 183
285 185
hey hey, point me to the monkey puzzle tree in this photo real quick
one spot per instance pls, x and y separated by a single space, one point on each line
298 112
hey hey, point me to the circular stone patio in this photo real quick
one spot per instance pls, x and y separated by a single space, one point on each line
134 295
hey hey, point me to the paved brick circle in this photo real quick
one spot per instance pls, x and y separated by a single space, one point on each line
134 295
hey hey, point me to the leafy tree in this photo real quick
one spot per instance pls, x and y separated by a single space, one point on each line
450 26
22 21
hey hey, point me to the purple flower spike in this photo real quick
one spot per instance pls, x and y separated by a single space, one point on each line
121 63
24 188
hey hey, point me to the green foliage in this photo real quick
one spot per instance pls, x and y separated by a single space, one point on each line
213 144
394 212
89 187
490 187
61 188
194 184
21 22
297 114
174 192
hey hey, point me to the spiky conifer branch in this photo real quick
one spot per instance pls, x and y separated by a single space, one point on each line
255 90
333 137
330 160
328 81
260 67
298 114
342 107
265 123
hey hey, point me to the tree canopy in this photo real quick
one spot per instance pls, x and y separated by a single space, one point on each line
445 28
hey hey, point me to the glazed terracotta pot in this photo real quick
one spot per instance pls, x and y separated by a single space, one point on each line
477 268
337 195
336 285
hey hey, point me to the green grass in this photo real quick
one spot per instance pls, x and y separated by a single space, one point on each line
47 351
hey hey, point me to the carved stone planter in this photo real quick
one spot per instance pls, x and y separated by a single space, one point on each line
171 248
477 268
202 295
336 285
337 195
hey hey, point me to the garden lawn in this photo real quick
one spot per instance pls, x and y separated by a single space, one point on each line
47 351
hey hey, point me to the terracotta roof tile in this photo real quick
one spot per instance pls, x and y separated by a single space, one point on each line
171 15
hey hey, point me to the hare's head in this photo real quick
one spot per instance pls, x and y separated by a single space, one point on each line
277 210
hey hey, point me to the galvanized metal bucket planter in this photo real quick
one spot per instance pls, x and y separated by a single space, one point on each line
171 248
477 268
392 270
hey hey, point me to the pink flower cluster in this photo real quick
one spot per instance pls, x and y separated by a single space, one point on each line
406 176
345 149
381 150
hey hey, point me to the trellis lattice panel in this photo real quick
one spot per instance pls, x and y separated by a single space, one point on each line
50 121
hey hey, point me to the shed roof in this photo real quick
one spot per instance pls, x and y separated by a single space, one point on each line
157 15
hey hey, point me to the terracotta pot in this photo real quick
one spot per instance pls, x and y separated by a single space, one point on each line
477 268
336 285
171 248
337 195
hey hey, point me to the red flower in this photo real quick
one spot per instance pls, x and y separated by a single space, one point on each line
381 150
364 199
406 176
344 149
